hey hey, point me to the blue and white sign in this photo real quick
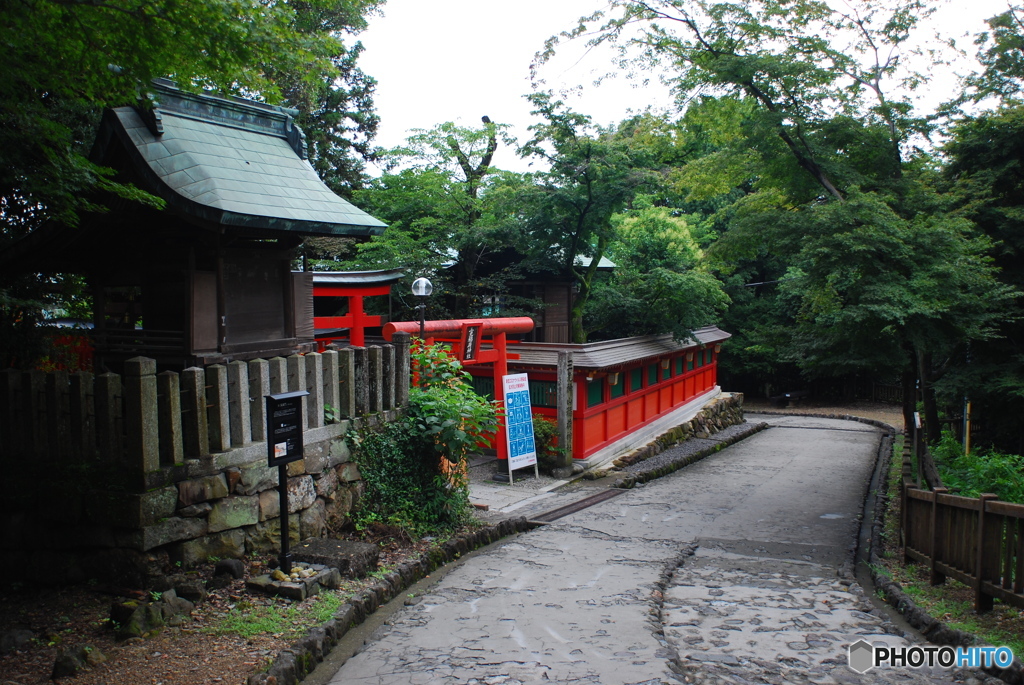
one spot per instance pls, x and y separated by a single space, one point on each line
518 422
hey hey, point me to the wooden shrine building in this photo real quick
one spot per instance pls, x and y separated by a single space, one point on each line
209 278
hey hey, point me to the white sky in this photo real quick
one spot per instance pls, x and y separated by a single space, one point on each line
456 60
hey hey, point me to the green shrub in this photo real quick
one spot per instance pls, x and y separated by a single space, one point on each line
413 468
545 437
969 475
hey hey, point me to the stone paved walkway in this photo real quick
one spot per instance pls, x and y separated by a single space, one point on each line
726 571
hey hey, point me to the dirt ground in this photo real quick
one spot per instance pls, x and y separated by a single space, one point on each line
891 414
199 653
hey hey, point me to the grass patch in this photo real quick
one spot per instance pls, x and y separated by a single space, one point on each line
952 602
280 618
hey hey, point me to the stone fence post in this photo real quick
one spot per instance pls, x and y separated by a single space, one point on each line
375 374
217 402
194 424
168 398
362 381
347 382
259 388
403 368
331 385
239 411
140 415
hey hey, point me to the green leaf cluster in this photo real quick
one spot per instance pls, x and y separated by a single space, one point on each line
414 468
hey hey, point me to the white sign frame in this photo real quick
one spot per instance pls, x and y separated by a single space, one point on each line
519 438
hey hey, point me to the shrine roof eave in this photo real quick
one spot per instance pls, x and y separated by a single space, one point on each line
357 278
226 163
608 354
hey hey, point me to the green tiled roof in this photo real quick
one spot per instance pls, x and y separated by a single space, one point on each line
234 163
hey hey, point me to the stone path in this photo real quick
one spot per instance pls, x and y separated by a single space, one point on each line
725 571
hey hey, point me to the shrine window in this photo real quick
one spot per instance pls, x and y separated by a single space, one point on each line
617 389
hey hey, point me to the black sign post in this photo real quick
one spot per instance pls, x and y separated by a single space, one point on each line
285 422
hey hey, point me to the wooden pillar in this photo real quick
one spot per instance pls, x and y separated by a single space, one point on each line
987 556
564 389
939 542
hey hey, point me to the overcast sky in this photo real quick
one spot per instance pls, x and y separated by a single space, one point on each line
457 60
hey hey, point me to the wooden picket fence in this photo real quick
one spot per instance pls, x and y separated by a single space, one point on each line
144 420
979 542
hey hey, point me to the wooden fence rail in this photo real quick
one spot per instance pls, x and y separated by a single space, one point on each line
143 420
977 541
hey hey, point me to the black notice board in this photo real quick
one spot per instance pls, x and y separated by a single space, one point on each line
285 423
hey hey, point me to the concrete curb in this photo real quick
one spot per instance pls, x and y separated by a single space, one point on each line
638 477
291 665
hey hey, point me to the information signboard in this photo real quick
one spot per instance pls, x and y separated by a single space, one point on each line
470 342
518 422
284 427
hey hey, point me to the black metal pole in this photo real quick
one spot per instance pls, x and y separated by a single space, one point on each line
282 487
423 319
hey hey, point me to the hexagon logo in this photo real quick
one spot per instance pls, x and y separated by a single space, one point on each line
861 656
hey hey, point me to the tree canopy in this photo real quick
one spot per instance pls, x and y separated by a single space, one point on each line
65 61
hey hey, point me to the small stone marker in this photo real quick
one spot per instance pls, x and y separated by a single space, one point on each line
304 580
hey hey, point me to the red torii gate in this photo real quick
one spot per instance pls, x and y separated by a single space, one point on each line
354 285
467 349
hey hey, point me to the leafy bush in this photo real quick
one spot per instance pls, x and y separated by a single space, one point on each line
413 468
981 471
545 436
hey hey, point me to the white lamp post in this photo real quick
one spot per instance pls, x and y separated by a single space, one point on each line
422 288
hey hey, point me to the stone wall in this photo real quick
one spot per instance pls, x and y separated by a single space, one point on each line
76 510
723 411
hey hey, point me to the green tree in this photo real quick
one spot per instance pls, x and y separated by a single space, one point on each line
660 283
567 215
827 131
439 201
65 61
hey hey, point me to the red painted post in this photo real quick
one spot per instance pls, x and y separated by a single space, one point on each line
357 333
500 369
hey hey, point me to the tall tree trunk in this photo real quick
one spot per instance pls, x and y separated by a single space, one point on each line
931 412
578 334
909 393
